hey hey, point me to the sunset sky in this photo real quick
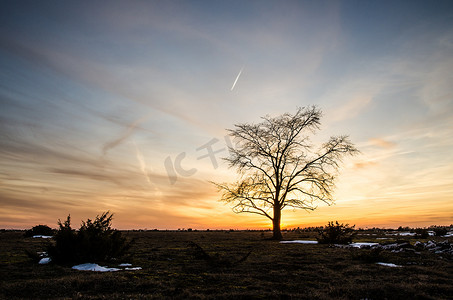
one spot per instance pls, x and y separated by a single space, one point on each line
99 98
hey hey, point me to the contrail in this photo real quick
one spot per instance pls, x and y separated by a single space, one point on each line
116 142
141 160
237 77
130 129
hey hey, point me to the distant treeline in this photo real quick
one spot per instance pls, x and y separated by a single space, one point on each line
433 228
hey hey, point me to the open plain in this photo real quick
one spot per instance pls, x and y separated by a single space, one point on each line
232 265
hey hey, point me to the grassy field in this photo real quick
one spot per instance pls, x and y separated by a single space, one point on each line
208 265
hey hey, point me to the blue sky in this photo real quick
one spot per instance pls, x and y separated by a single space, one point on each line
96 96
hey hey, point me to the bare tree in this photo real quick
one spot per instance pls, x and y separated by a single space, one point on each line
279 168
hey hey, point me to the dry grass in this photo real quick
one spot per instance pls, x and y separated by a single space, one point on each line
174 268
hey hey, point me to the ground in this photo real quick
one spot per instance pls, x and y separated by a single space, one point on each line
223 264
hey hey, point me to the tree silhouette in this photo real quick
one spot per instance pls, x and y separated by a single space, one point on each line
279 168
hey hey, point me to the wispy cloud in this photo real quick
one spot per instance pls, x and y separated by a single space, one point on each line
382 143
351 108
126 134
91 174
364 164
142 162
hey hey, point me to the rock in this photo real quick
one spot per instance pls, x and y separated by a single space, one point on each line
430 244
444 247
419 244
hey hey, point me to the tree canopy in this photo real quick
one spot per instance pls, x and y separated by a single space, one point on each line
279 167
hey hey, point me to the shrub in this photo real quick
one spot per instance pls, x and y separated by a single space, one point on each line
95 241
404 228
422 233
336 233
39 230
439 231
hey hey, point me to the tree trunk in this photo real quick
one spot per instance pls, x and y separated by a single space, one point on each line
277 233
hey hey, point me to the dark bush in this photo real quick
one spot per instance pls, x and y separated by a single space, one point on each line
336 233
422 233
439 231
95 241
40 230
404 228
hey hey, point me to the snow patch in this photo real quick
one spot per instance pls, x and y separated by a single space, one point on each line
363 245
388 265
299 242
42 236
405 233
94 267
125 265
45 260
98 268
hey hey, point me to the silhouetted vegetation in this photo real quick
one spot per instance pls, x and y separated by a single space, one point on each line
95 241
422 233
406 228
39 230
439 230
336 233
280 168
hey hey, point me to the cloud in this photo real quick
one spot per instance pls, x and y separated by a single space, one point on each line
351 108
92 174
129 131
29 151
436 90
142 163
382 143
364 164
12 200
